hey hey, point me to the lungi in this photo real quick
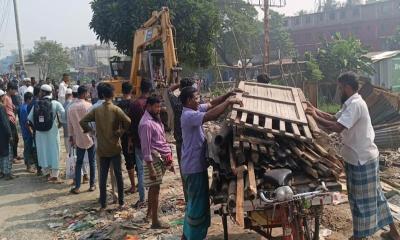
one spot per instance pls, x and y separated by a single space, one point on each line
368 204
159 168
197 215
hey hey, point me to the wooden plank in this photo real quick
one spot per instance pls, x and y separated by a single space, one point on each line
268 123
268 99
234 115
296 130
256 120
255 140
240 196
266 114
243 119
282 126
252 180
300 110
307 132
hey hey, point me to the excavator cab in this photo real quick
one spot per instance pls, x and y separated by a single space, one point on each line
153 67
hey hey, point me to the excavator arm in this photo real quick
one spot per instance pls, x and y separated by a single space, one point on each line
158 27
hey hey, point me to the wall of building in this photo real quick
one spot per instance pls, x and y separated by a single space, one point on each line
371 23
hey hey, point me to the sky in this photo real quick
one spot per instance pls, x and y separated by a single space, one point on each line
67 21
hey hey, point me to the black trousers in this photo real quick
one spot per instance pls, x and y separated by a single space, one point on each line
15 141
104 168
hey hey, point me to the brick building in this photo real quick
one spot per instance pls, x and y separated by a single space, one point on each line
370 22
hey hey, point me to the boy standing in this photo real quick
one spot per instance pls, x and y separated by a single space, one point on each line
26 134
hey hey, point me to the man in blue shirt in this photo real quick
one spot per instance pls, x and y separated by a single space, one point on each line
194 162
26 134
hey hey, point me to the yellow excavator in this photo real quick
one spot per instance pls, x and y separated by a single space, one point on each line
158 66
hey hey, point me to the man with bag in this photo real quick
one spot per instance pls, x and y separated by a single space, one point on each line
43 119
82 141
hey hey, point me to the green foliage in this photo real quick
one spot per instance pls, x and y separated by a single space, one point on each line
329 107
239 32
312 72
338 55
196 24
242 33
51 58
393 42
280 38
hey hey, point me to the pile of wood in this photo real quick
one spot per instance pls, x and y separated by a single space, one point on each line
271 132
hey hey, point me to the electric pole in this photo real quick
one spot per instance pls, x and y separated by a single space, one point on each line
266 36
266 6
21 55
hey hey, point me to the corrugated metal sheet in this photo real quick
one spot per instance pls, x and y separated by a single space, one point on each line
379 56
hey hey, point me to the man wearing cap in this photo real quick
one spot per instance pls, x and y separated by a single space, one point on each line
48 142
22 89
26 134
63 88
5 138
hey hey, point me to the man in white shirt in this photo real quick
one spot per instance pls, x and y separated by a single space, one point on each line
368 205
22 89
63 88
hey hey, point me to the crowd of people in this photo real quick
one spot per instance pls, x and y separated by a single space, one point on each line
98 129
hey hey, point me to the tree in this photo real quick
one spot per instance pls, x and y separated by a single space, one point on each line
279 37
312 71
242 34
239 33
393 42
196 23
338 55
51 58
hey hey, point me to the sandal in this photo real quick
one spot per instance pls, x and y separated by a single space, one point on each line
75 191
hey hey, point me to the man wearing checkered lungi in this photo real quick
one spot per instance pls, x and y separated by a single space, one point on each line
368 205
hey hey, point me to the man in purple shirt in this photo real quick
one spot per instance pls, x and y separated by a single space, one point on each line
194 163
157 156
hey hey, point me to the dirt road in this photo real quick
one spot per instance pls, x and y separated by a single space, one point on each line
29 206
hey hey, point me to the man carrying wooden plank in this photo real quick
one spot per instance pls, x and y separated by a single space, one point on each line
194 163
368 205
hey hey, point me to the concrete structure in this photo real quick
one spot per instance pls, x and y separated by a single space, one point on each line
370 22
92 59
387 69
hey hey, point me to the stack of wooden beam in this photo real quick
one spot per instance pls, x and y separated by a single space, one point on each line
272 124
270 132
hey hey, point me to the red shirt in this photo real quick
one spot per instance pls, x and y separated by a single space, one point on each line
10 109
136 111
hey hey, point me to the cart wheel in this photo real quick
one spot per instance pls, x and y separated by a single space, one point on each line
225 225
311 227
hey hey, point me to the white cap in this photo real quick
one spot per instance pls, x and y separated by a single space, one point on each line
29 89
46 87
2 93
27 79
68 91
75 88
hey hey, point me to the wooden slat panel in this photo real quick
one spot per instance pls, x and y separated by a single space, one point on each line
272 101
